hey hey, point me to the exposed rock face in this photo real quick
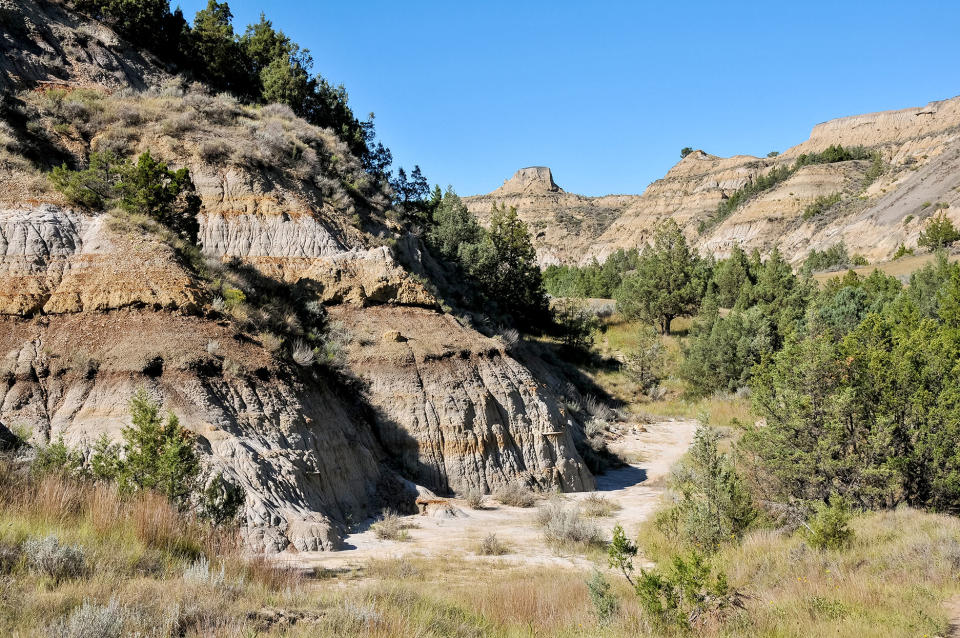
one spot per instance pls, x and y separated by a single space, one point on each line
303 454
532 180
52 45
54 260
555 218
456 410
919 147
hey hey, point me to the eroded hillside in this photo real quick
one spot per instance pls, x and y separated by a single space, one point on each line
873 205
293 238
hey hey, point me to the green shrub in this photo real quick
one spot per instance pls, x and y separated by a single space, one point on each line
820 205
877 168
902 251
593 280
575 323
742 195
57 458
940 232
620 553
834 153
605 603
685 595
712 503
833 257
145 188
829 528
153 456
222 500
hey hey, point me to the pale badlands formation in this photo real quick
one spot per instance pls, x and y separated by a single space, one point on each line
920 148
92 309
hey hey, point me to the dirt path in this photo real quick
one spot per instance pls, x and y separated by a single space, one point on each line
952 607
636 488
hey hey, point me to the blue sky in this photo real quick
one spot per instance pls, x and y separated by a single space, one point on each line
606 93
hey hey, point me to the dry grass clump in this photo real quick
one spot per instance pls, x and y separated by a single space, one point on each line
475 499
491 546
516 494
80 560
598 506
392 527
563 526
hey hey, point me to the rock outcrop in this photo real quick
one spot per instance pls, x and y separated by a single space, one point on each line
54 260
533 180
559 221
456 410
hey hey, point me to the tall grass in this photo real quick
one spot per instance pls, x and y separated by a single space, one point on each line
75 550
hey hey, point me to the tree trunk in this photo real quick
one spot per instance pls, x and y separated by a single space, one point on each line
665 324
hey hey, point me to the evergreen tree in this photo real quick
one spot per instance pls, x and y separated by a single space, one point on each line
939 233
217 54
454 228
713 504
506 266
157 455
730 276
669 282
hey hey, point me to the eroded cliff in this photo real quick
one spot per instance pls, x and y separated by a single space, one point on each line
96 303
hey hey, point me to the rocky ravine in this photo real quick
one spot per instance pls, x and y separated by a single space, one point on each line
92 308
920 148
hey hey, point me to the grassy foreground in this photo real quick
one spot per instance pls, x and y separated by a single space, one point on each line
143 571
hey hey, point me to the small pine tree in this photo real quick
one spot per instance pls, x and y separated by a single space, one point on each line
829 528
605 604
105 459
620 553
157 455
940 233
713 504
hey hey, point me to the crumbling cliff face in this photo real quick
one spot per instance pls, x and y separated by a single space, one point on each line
94 305
918 147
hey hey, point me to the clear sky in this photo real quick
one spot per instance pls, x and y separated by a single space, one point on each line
606 93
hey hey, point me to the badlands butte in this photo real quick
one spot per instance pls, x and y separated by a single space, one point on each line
919 168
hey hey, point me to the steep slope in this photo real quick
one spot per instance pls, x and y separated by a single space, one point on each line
94 304
918 148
